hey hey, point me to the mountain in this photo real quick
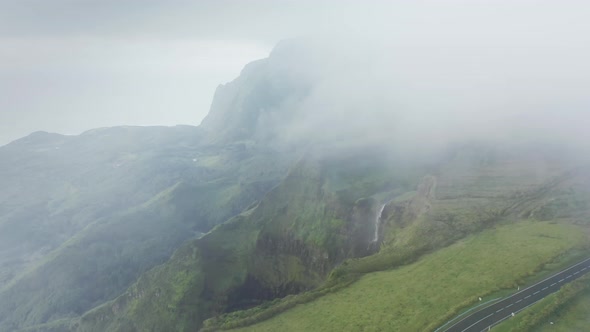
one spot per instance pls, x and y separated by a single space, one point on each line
83 216
264 100
332 220
287 243
295 188
449 247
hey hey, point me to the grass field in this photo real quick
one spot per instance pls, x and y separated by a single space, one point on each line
575 317
423 295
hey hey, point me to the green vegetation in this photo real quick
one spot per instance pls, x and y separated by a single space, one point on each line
173 289
105 207
285 244
244 222
572 317
60 325
419 222
567 309
420 296
303 243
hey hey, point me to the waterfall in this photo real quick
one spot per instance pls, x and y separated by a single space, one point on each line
377 222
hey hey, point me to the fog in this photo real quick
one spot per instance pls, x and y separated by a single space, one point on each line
439 77
468 89
405 79
498 68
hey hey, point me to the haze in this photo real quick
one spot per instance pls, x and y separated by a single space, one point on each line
426 145
487 68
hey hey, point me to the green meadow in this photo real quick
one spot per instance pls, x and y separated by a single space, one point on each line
574 317
424 295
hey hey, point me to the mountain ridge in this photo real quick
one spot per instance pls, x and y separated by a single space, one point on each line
271 202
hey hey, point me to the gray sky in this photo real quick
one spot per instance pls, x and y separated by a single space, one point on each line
70 65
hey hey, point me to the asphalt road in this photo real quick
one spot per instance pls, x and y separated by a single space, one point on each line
504 309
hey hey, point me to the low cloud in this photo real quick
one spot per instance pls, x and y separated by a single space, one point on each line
434 85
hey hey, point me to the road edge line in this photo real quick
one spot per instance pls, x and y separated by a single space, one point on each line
466 311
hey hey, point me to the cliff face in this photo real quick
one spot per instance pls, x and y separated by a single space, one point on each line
151 188
289 200
318 226
474 189
263 100
288 243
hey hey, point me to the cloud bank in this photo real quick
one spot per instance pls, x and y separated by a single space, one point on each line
515 80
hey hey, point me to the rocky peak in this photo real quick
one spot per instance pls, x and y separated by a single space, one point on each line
263 99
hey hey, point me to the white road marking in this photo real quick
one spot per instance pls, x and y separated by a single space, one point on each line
568 276
518 301
535 293
492 300
544 288
553 284
497 322
555 275
508 306
476 322
526 297
576 272
499 310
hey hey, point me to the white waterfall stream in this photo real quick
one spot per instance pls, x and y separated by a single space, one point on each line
377 222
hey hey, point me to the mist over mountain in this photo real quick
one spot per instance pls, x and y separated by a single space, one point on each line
401 92
83 216
335 157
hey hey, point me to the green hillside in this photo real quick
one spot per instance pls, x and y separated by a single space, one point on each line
314 232
421 295
492 188
285 244
116 202
277 213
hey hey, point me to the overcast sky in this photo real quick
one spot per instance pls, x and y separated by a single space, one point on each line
71 65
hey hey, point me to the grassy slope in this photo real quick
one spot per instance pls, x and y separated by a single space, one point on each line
290 241
472 190
285 244
100 260
419 296
134 241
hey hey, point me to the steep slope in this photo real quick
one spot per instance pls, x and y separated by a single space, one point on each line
70 198
289 242
326 211
83 217
54 186
491 190
365 195
264 100
423 295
